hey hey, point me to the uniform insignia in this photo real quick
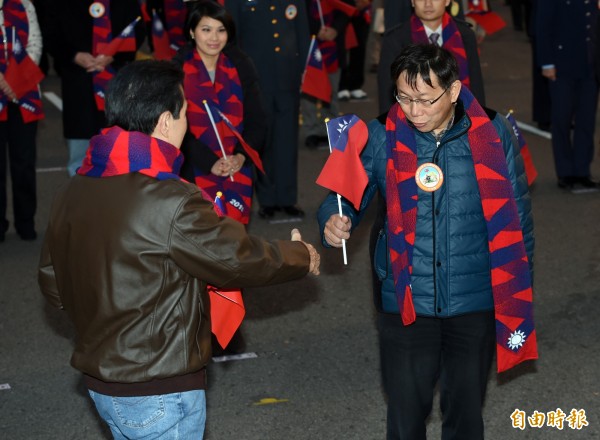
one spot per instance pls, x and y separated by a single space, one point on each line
97 10
291 11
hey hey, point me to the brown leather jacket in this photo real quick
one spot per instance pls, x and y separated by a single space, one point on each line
128 257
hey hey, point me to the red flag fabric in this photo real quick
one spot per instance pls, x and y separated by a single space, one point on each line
343 172
124 42
22 74
160 40
347 9
489 21
529 167
225 126
226 313
315 81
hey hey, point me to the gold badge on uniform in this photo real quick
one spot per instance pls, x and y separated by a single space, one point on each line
291 11
96 10
429 177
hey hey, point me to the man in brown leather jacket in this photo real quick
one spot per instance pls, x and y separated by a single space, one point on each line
128 254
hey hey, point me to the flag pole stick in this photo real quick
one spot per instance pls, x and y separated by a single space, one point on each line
214 126
320 13
339 197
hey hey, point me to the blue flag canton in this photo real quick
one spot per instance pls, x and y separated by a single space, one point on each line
157 24
316 57
338 129
18 49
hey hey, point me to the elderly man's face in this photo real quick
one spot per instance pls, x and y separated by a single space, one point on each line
417 103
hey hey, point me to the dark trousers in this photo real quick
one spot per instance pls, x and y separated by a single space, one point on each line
574 103
456 351
17 147
279 186
353 74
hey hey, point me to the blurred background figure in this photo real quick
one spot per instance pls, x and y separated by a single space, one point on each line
431 23
328 25
20 109
275 36
353 72
568 57
218 72
76 33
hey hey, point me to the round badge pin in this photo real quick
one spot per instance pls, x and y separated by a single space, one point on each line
291 11
97 10
429 177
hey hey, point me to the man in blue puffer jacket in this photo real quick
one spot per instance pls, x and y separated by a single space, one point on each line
449 259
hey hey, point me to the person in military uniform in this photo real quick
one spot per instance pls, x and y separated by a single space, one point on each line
274 33
567 56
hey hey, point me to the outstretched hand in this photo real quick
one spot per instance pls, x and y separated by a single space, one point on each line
315 258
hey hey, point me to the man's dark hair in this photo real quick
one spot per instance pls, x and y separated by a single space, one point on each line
421 59
209 8
141 91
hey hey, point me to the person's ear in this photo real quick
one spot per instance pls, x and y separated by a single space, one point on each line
455 90
164 124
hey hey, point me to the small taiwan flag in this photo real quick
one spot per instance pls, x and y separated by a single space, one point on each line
343 172
160 40
124 42
315 81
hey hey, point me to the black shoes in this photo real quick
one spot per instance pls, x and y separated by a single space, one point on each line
314 141
293 211
26 234
585 183
268 212
566 182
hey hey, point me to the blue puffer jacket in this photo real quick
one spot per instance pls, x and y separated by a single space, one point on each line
451 263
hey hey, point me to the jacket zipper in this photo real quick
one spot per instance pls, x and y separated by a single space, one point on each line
433 229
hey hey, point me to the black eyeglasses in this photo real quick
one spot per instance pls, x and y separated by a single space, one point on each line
406 101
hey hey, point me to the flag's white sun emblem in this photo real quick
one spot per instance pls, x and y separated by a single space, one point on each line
17 48
516 340
318 55
342 127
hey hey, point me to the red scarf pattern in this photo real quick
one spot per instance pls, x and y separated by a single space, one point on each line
102 35
115 151
452 41
510 276
328 49
226 94
16 27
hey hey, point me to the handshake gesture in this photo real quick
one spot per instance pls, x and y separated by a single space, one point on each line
315 258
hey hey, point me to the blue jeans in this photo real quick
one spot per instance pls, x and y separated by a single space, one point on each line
77 149
166 416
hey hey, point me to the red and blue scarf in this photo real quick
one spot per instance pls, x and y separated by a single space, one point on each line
102 35
115 151
16 27
328 49
226 94
510 276
452 41
175 11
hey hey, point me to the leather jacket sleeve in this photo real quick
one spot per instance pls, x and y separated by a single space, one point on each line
219 251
